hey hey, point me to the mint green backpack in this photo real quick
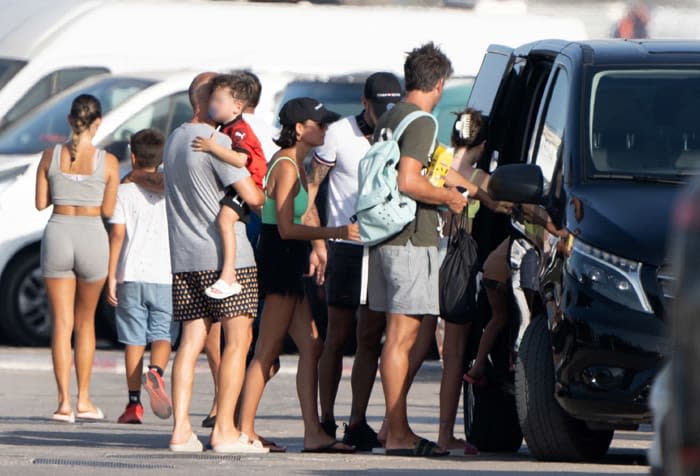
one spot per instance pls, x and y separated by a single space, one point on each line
382 210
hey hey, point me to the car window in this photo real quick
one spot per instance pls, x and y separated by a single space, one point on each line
47 125
181 111
453 101
8 69
644 123
344 98
341 97
164 115
551 132
154 116
492 74
47 87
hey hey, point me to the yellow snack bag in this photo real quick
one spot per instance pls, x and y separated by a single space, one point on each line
440 164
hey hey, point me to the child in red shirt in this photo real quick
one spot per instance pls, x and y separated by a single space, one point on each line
229 97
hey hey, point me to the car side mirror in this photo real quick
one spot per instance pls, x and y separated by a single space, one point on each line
517 183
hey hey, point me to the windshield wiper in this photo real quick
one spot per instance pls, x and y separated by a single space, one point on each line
675 180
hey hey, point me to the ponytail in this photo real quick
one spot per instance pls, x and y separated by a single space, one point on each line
84 111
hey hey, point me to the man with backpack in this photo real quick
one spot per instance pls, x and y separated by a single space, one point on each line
403 266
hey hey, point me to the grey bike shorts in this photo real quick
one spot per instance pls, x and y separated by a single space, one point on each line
75 247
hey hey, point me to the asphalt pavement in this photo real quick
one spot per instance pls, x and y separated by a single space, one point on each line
31 444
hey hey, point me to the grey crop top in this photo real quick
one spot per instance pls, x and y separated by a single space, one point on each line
73 189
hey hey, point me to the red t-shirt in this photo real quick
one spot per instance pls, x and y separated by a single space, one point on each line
244 140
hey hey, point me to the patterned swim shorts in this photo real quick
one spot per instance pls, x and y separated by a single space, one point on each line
190 302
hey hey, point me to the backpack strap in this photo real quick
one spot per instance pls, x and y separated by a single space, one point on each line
406 121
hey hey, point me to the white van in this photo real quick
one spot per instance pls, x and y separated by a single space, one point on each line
49 45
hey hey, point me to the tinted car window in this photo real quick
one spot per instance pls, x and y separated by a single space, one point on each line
644 122
550 140
344 98
8 69
164 115
454 99
48 125
341 97
47 87
492 73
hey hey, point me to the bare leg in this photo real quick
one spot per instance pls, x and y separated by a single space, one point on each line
451 384
194 335
61 292
213 350
274 322
370 327
419 351
303 331
87 296
133 360
238 332
422 347
330 365
401 335
160 353
226 220
498 300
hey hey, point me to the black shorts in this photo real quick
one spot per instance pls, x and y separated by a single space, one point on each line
232 200
344 275
282 264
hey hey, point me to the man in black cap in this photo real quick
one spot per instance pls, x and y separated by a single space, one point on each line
346 143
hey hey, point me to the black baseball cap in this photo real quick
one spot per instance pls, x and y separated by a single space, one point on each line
302 109
382 89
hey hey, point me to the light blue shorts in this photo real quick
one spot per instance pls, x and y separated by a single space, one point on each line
145 313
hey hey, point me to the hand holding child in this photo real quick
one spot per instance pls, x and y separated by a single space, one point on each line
202 144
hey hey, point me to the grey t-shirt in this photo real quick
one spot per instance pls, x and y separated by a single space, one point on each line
194 184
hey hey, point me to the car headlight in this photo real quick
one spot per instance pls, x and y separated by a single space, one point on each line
616 278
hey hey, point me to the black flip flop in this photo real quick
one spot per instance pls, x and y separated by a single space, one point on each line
330 448
423 448
272 446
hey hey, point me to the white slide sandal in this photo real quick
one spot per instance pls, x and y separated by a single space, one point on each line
222 290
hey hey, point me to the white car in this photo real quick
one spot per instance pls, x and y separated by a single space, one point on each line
130 103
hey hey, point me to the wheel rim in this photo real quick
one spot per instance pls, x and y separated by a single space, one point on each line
33 304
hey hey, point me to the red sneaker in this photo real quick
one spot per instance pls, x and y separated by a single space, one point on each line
160 401
132 414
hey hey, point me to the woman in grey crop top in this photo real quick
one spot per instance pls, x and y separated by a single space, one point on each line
81 183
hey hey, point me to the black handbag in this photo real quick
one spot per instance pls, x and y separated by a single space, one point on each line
458 274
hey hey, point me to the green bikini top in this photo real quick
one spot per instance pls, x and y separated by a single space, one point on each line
301 200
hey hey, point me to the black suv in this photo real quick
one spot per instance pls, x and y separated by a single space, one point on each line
600 134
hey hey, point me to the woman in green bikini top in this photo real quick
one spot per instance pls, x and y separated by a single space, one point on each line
301 199
284 259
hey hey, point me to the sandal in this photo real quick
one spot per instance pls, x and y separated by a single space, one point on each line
222 290
192 445
272 446
330 448
423 448
96 415
62 417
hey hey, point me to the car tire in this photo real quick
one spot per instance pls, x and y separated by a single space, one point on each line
24 305
550 433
